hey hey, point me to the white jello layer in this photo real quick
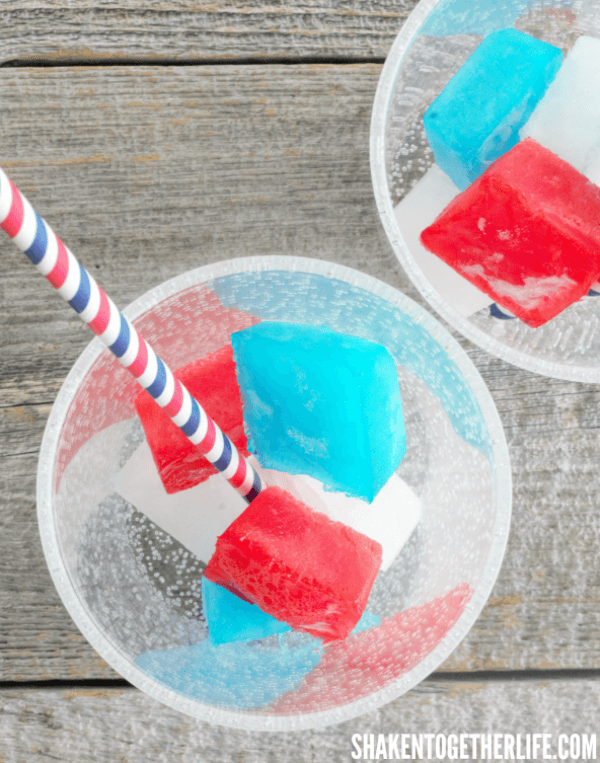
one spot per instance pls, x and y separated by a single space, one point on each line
567 119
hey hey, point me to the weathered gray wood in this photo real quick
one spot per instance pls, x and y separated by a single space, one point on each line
148 172
91 30
547 595
81 726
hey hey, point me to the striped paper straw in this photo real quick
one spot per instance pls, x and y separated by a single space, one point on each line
54 260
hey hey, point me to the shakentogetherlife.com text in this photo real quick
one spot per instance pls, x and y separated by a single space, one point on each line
500 747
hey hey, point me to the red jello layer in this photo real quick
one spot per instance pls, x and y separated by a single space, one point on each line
212 381
526 232
297 565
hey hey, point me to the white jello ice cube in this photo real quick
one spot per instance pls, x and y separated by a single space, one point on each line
194 517
567 119
417 210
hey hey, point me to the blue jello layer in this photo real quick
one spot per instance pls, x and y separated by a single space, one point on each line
322 403
478 115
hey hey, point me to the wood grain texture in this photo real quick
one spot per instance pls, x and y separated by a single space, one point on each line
97 30
149 172
103 726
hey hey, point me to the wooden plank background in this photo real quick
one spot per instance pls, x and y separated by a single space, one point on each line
179 30
148 171
125 725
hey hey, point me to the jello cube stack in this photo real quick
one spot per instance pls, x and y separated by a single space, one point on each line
327 404
517 138
315 402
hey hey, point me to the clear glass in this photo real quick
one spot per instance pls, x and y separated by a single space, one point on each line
134 591
435 41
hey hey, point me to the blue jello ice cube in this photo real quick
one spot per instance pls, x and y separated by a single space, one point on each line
230 618
321 403
478 115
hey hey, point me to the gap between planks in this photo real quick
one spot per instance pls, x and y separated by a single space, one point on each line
477 676
244 61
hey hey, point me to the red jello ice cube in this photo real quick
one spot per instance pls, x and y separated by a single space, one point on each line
526 232
213 382
297 565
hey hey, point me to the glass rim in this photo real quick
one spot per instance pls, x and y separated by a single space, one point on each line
246 720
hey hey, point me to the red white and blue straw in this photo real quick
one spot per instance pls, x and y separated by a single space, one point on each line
54 260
